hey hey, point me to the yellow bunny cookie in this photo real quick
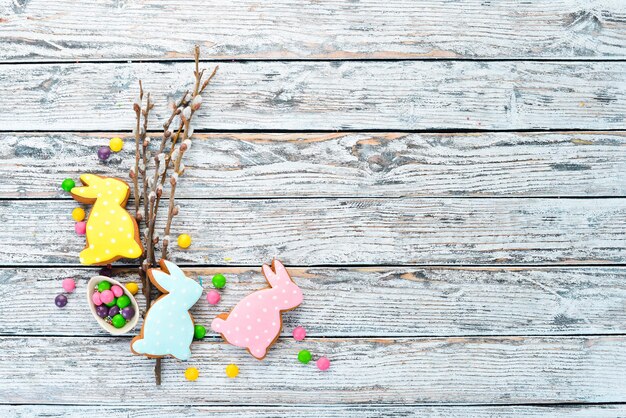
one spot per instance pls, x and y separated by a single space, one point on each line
111 231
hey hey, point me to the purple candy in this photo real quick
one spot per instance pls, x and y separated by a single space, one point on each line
102 311
128 313
104 153
114 311
60 301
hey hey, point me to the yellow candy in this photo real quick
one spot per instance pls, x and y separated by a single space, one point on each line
184 241
191 374
132 287
78 214
232 371
116 144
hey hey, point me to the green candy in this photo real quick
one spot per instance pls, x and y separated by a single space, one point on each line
123 301
112 303
68 185
104 285
199 332
219 281
118 321
304 356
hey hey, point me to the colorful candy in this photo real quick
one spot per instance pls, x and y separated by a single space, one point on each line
219 281
96 299
68 184
68 285
304 356
128 312
112 303
323 363
191 374
299 333
102 311
184 241
123 301
199 332
213 297
104 153
118 321
60 301
80 228
232 371
117 291
116 144
106 296
132 288
104 285
78 214
113 310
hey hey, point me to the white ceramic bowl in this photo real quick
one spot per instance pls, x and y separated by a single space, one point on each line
91 288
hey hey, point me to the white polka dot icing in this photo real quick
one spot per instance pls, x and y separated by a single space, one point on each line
260 312
111 232
168 327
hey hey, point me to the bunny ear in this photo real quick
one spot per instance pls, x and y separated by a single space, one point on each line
280 270
173 269
276 274
162 280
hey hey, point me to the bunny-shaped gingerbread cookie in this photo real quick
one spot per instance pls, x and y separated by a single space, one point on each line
168 326
111 232
256 321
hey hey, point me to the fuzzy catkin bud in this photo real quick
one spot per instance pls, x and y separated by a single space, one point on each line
186 114
187 143
152 197
131 173
159 190
175 210
183 147
196 103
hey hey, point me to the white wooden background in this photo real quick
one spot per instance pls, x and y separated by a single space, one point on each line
446 180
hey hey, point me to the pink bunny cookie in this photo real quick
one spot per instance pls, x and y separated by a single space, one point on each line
256 321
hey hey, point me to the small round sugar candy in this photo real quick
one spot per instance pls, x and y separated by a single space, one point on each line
68 184
104 285
299 333
116 144
132 288
112 303
128 313
106 295
78 214
96 299
102 311
118 321
113 310
68 285
184 241
232 370
60 301
304 356
199 332
323 363
123 301
219 281
213 297
117 291
191 374
80 228
104 153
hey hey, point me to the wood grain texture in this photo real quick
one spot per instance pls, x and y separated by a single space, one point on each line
364 302
452 231
343 164
396 371
330 411
37 30
325 95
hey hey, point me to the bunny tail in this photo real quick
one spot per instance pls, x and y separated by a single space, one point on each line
218 325
138 346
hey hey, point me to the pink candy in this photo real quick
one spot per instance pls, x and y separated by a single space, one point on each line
213 297
69 285
107 296
299 333
80 228
95 298
323 363
117 291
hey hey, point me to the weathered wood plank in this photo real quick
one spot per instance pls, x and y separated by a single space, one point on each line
37 30
343 164
402 371
327 411
364 302
356 231
325 95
